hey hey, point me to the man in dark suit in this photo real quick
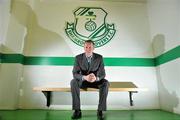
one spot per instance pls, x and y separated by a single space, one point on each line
88 71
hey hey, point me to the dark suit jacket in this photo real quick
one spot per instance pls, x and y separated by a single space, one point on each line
81 66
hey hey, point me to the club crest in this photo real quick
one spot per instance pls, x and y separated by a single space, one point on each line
90 24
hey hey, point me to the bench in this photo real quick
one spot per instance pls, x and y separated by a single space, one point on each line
114 86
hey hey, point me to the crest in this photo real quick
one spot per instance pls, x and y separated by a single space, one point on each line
90 24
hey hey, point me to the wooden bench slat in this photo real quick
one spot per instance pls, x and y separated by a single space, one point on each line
114 86
122 85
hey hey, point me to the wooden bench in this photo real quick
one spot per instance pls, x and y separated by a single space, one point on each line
114 86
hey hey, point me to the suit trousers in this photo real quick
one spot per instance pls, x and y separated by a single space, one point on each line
102 85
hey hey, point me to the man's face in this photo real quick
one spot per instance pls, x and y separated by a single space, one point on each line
88 48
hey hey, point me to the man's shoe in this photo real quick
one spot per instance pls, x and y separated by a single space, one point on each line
100 115
76 114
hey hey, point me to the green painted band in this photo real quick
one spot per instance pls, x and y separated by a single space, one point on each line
65 61
129 62
0 57
12 58
69 61
168 56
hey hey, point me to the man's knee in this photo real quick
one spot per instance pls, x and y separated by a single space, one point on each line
74 83
105 83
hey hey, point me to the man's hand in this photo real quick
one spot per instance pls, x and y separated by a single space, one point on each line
90 78
86 77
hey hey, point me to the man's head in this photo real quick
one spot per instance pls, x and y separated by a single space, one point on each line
89 47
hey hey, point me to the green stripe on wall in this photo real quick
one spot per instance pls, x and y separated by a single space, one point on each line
168 56
0 57
68 61
12 58
129 61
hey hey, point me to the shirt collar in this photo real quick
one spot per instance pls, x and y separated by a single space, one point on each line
89 56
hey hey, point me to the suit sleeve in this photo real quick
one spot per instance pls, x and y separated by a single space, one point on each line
101 71
76 70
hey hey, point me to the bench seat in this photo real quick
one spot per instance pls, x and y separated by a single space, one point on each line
114 87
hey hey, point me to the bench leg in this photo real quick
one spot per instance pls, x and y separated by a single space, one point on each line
48 97
131 98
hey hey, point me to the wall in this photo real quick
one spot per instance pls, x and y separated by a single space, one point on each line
10 73
4 15
164 19
37 29
46 38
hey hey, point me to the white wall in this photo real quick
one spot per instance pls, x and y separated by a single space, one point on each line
164 19
139 26
36 28
11 35
48 18
4 18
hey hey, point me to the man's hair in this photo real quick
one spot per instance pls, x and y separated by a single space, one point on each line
89 41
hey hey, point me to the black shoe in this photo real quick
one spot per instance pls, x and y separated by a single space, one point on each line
100 115
76 114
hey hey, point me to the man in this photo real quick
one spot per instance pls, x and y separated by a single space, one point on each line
88 71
